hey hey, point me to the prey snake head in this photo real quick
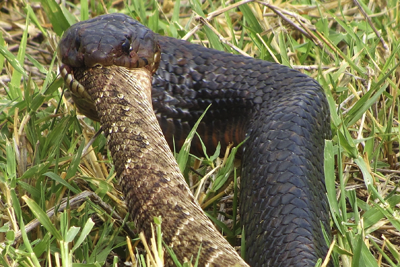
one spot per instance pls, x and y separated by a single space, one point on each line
112 40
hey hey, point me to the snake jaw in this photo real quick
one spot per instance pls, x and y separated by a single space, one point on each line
73 85
79 94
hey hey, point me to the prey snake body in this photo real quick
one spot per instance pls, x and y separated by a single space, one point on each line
283 114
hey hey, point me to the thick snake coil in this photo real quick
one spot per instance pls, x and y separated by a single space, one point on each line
110 65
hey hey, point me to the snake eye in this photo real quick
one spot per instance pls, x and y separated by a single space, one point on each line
126 46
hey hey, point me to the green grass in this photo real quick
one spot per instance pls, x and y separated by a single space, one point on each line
44 163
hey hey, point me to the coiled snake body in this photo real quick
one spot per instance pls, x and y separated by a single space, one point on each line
108 65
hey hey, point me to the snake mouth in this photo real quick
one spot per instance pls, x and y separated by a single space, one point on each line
73 85
80 96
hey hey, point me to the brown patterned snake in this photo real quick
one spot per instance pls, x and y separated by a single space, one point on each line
114 66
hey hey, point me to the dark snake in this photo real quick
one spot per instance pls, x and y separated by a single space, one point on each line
282 113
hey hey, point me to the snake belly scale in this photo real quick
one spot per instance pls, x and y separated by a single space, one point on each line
112 62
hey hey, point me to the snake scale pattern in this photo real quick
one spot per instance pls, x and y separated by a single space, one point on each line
112 62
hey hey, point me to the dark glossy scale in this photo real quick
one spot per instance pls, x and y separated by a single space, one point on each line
283 113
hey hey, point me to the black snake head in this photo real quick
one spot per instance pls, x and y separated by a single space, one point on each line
114 39
108 40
